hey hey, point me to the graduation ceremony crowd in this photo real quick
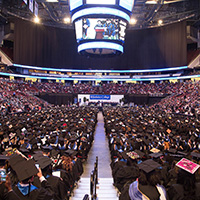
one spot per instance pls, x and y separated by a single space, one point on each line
145 142
58 139
145 145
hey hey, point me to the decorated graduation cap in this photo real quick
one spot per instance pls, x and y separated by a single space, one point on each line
188 165
154 150
149 165
133 155
140 153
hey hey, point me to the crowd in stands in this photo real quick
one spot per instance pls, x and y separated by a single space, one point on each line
58 139
185 99
86 88
115 88
162 88
18 97
53 88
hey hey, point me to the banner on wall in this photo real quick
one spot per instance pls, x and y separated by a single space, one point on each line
36 9
99 97
31 5
25 1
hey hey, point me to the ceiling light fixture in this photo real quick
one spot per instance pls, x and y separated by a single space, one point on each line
67 20
51 1
160 22
37 20
151 2
133 21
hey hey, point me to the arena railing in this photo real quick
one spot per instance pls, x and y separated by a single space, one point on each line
86 197
94 181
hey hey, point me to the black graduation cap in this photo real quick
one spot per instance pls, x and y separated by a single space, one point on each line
44 161
3 159
70 152
15 159
182 153
124 155
148 165
46 148
195 155
172 151
25 169
24 151
37 156
73 139
156 155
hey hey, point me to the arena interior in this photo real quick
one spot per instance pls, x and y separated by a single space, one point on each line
100 99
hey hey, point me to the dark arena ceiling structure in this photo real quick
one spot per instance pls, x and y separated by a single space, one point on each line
145 13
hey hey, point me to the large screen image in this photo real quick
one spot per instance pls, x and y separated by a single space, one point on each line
100 28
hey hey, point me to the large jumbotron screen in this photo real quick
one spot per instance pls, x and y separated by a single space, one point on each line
100 28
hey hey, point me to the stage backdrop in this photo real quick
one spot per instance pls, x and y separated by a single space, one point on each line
39 45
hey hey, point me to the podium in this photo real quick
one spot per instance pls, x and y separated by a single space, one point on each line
99 32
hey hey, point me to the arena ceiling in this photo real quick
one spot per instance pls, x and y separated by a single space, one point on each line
147 13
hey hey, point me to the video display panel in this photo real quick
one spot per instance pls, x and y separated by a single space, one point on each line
75 4
100 28
106 2
127 4
79 29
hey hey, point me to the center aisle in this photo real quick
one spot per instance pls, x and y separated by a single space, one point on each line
99 148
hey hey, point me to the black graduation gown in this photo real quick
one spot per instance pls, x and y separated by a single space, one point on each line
124 174
68 180
176 192
58 187
150 191
43 193
4 195
125 192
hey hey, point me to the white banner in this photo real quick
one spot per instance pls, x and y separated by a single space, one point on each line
36 9
31 5
25 1
111 98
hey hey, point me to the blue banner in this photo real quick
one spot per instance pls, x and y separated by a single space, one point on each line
99 97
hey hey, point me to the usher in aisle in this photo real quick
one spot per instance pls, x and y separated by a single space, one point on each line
105 188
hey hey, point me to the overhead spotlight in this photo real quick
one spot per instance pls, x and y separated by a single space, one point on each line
151 2
67 20
52 1
160 22
133 21
37 20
